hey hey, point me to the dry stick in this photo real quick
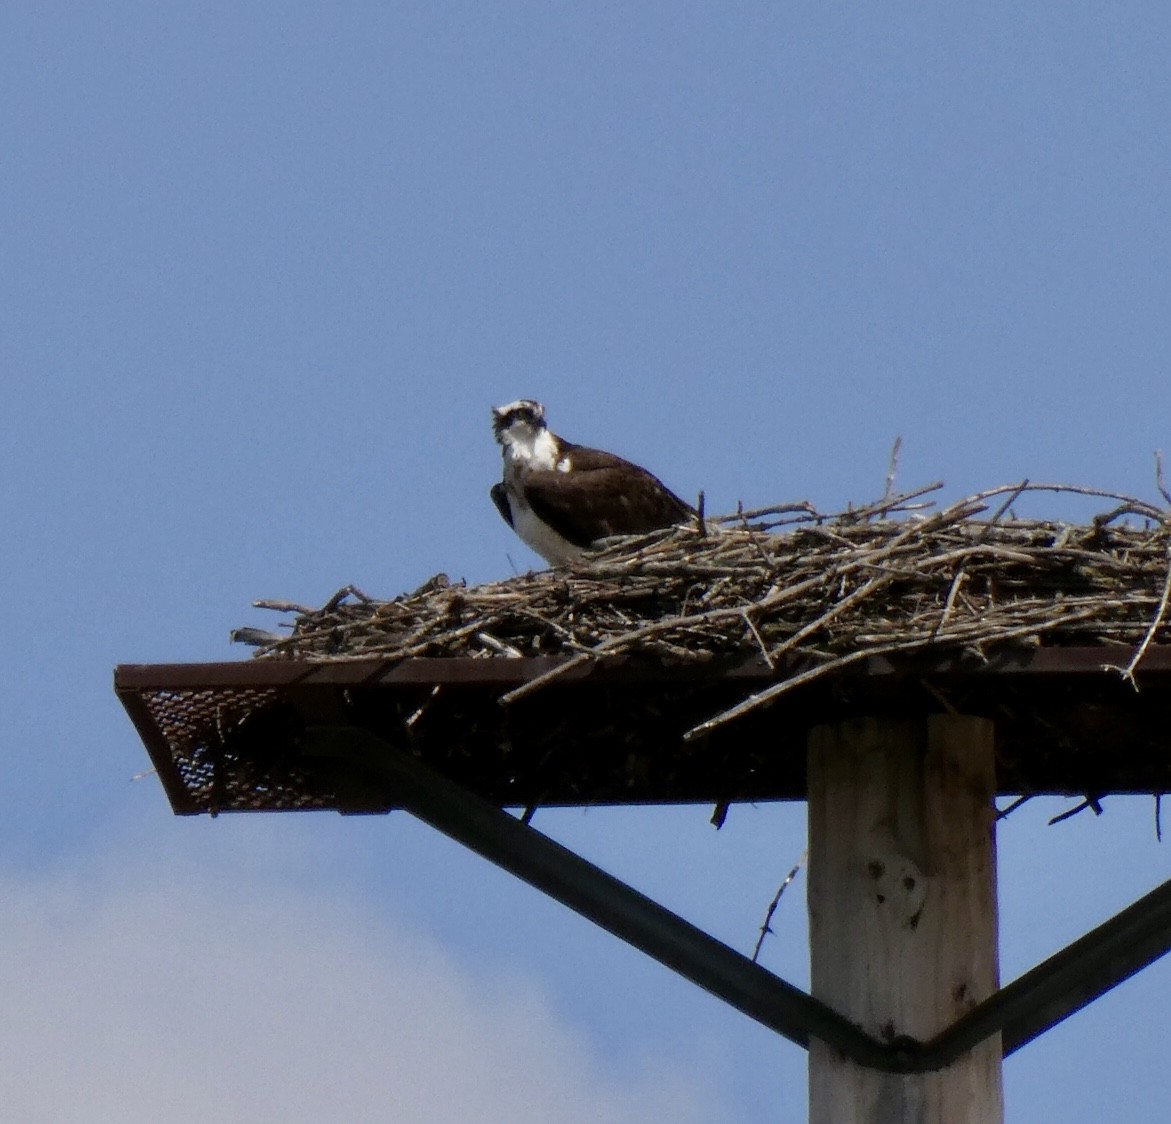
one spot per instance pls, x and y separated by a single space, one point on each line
284 607
419 648
892 503
343 593
812 514
499 646
770 693
1008 809
839 607
1013 497
760 643
887 503
1089 802
547 677
949 604
975 550
615 644
757 545
819 532
804 506
423 706
988 626
1072 490
766 928
892 467
1159 481
1160 613
627 640
1131 507
566 635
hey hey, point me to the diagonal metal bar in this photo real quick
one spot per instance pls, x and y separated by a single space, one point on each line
1020 1011
1060 986
605 900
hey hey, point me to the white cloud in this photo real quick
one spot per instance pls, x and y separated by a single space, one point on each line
128 1001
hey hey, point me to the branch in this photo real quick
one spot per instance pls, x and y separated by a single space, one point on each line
766 927
892 467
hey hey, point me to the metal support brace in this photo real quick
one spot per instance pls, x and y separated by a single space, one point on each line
1066 982
1022 1010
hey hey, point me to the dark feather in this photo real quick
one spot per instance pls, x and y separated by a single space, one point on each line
602 495
500 499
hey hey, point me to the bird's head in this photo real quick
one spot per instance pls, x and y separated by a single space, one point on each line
519 422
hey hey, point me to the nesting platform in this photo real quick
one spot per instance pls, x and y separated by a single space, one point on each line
225 736
689 664
725 662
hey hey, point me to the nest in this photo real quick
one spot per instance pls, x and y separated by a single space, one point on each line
809 593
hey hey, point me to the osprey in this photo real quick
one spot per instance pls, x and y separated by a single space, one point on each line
561 498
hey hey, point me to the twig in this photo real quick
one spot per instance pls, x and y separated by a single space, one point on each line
760 643
766 927
422 708
343 593
282 606
1008 809
509 697
1092 802
1160 613
499 646
892 467
1012 498
842 662
770 693
949 602
1160 483
804 507
840 607
254 637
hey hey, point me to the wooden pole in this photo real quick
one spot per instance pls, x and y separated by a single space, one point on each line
902 910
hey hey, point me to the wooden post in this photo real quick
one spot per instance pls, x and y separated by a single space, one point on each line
902 910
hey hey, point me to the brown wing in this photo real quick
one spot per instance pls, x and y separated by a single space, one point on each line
602 495
500 499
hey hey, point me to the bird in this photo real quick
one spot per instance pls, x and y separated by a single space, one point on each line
562 498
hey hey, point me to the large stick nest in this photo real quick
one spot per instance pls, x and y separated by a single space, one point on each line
808 592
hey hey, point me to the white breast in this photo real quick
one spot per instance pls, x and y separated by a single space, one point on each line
537 452
540 536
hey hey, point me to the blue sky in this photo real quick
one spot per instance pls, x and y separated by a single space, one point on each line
264 271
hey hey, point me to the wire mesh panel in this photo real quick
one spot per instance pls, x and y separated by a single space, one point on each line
228 737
